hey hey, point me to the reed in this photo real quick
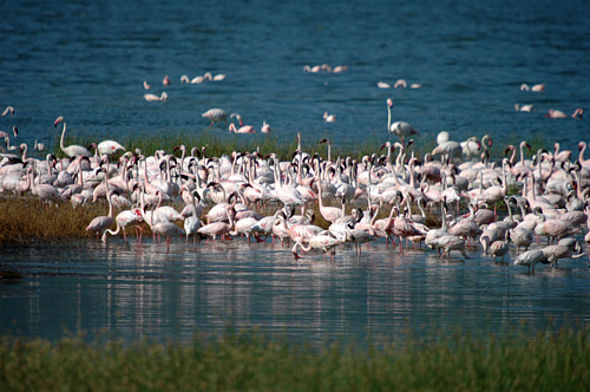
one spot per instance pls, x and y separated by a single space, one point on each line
251 361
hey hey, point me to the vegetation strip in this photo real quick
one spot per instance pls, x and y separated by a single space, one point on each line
250 361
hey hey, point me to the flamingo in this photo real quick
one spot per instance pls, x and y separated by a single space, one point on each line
74 149
242 129
340 68
153 97
218 228
552 113
400 83
265 127
146 85
530 258
401 128
184 79
124 219
192 223
215 115
524 108
323 241
538 88
108 147
451 242
381 84
166 81
103 222
562 249
329 117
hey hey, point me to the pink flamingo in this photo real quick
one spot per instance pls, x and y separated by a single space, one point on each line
153 97
218 228
400 83
102 222
166 81
329 117
243 128
265 127
124 219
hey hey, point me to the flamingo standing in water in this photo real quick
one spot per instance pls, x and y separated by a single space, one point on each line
215 115
124 219
102 222
218 228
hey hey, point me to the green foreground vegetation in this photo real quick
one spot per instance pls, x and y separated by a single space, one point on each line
250 361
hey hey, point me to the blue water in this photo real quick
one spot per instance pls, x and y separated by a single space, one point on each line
129 291
87 60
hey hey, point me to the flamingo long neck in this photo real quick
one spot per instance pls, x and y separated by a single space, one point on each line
509 209
581 153
63 134
80 173
513 156
443 216
109 197
111 232
522 153
388 117
320 198
504 183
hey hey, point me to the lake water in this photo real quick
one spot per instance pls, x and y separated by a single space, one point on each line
87 60
142 290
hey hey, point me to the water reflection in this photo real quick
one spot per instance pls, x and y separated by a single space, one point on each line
135 290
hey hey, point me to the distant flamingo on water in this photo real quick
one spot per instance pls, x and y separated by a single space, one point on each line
243 128
329 117
154 97
553 113
265 127
537 88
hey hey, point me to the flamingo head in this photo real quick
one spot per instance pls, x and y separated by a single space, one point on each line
58 120
389 102
527 145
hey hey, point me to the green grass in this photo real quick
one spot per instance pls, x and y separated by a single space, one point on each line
250 361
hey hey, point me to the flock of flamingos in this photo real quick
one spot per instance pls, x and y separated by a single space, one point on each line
391 194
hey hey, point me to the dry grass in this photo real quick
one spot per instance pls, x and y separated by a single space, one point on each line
26 218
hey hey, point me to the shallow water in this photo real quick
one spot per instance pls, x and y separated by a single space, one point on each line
134 291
